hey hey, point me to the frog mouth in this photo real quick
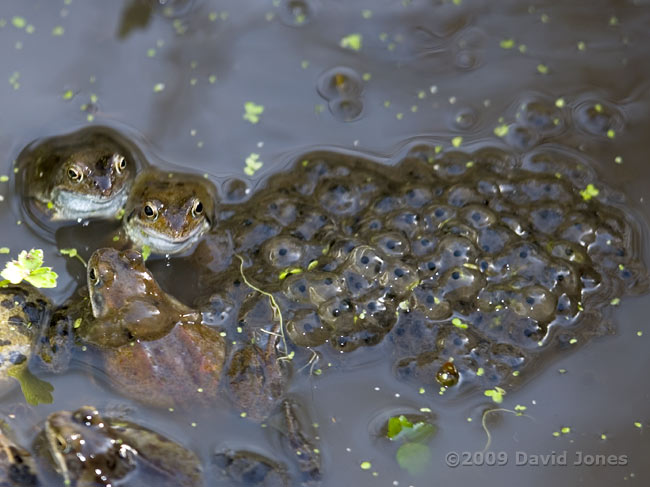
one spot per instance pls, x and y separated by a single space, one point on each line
161 243
75 205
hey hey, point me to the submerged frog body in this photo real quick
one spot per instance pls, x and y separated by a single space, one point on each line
88 449
169 212
155 349
83 175
23 313
17 467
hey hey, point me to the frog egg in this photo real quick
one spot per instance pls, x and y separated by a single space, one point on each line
340 82
493 240
370 226
452 165
552 190
553 160
356 284
498 160
478 216
312 287
417 197
568 251
310 224
542 116
461 284
463 195
399 278
339 197
387 204
375 313
521 138
534 302
454 251
366 261
219 310
353 339
392 244
306 330
423 244
516 225
337 312
436 214
282 252
599 118
547 219
429 301
578 228
346 109
235 190
407 222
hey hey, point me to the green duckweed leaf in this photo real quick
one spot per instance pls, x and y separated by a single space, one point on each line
35 390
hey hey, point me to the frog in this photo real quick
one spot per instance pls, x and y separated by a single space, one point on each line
24 312
17 466
169 212
251 469
154 348
88 449
82 175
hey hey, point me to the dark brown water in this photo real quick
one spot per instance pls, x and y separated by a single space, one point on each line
177 81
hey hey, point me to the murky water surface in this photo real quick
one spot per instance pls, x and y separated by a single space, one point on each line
518 136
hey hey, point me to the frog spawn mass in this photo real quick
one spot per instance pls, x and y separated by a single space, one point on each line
474 263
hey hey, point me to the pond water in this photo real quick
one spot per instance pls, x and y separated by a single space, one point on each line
245 90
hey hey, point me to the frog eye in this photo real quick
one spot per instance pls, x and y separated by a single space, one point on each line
150 211
93 275
61 443
197 209
75 174
119 163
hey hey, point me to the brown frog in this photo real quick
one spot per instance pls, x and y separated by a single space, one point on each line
83 175
88 449
23 313
154 348
17 467
169 212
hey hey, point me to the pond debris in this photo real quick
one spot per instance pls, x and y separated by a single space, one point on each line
277 313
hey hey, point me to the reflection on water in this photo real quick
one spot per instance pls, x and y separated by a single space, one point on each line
560 90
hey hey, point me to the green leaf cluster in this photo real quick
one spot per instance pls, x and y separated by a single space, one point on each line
414 454
29 268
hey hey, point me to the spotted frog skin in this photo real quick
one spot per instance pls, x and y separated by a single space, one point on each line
83 175
155 349
88 449
169 212
23 312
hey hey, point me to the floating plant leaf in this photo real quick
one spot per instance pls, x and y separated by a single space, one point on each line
35 390
413 457
28 268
